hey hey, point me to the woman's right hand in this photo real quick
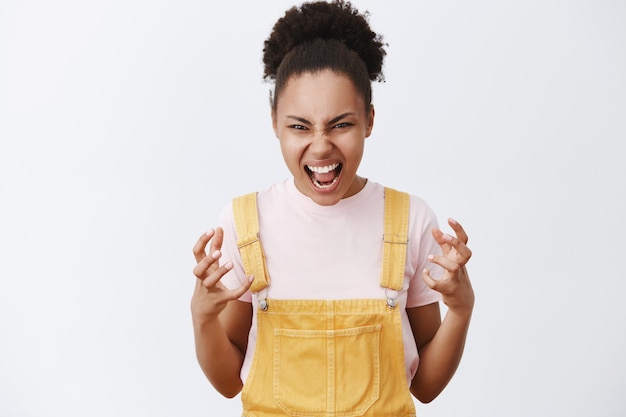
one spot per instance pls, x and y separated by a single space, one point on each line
210 296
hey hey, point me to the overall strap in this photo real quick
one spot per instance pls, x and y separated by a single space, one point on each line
395 239
247 224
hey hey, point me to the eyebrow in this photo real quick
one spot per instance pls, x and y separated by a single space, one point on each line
331 122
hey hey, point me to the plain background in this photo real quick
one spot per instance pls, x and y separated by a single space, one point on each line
126 126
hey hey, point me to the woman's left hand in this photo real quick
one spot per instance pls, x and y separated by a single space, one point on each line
454 286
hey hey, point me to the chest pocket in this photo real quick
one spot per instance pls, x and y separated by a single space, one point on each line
318 370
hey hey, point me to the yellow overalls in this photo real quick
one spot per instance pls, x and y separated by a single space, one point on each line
328 358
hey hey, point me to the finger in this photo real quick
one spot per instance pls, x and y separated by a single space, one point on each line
445 262
432 283
200 246
445 245
241 290
463 252
202 268
458 229
224 295
215 276
218 239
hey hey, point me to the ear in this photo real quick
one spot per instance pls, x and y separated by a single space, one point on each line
274 123
370 122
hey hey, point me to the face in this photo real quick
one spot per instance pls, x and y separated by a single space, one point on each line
321 123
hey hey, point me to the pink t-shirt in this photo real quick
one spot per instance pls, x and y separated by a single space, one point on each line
332 252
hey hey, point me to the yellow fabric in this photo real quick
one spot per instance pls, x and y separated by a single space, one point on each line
328 358
395 239
247 224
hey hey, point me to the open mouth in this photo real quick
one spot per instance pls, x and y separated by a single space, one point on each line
324 177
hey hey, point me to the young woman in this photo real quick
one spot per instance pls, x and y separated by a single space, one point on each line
319 296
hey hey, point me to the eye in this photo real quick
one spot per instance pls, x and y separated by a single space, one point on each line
298 127
342 125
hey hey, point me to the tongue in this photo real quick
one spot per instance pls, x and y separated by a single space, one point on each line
323 178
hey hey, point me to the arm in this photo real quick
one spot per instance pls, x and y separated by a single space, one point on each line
221 323
441 344
441 355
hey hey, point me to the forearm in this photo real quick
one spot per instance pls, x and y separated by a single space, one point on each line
218 357
440 358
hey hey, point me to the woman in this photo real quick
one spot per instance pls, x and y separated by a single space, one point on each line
320 295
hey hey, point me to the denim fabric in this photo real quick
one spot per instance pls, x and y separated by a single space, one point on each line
328 358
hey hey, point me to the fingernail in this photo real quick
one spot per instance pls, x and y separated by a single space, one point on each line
209 232
216 254
250 278
228 265
451 220
431 257
447 237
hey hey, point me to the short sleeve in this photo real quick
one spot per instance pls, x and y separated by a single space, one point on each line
421 244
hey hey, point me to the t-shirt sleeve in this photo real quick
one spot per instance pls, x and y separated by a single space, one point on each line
230 252
423 244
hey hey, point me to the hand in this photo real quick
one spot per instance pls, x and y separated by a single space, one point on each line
210 296
455 286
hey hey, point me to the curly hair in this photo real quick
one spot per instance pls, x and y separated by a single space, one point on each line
324 35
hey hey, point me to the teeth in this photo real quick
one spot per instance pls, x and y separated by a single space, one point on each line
323 186
323 170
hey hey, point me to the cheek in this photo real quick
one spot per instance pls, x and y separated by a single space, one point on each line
291 149
354 149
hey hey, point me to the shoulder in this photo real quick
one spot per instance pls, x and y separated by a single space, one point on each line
417 203
264 198
421 215
278 190
421 210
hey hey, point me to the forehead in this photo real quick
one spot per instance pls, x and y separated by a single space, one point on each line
320 92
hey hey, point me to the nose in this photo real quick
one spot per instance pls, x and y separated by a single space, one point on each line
321 144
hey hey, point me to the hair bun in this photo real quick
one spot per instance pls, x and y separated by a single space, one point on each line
337 20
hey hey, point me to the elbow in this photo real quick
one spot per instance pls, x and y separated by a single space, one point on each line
228 389
426 398
230 392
